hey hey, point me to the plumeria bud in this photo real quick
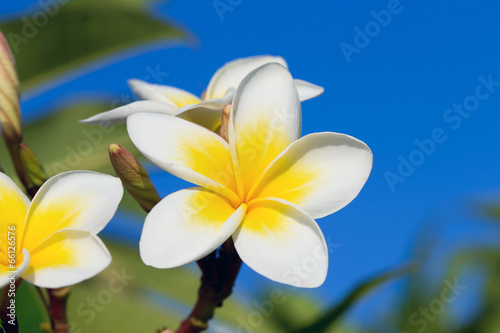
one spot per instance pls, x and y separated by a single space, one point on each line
224 129
10 114
134 176
32 166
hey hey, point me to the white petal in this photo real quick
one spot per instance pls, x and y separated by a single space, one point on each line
186 150
13 209
82 200
8 275
66 258
307 90
164 94
266 118
321 173
282 243
120 114
232 73
186 226
208 113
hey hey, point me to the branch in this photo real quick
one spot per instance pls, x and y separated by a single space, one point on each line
58 299
217 281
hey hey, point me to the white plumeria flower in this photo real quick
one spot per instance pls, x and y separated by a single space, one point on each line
264 188
205 111
51 242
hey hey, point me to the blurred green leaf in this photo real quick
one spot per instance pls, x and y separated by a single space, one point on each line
331 316
487 319
298 309
491 211
30 311
62 144
53 40
145 300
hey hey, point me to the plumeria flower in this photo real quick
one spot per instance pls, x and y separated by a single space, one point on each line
205 111
264 187
51 242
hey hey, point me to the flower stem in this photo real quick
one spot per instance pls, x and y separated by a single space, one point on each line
58 299
6 299
217 281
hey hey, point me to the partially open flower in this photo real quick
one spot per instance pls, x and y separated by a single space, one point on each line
51 242
206 111
263 188
10 114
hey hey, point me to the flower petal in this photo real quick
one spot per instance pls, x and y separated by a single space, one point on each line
186 226
13 209
164 94
65 258
232 73
120 114
265 119
208 113
186 150
282 243
7 274
82 200
321 173
307 90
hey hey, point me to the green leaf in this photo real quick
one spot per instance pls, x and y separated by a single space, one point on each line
30 311
144 300
62 144
296 309
331 316
491 211
78 33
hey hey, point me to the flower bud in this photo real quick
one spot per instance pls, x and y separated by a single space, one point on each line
32 166
10 113
224 127
134 176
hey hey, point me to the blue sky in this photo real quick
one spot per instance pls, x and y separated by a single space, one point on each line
402 83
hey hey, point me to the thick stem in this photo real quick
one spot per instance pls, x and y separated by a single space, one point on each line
8 318
58 299
217 281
